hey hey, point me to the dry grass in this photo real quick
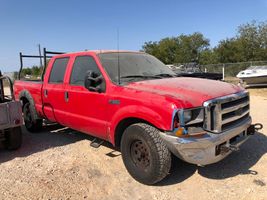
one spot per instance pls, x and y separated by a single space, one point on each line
233 80
258 92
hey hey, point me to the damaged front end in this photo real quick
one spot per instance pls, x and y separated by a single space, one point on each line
200 139
188 122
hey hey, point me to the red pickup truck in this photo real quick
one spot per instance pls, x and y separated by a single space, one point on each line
134 101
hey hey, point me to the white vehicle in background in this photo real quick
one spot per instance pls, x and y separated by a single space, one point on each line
27 76
254 76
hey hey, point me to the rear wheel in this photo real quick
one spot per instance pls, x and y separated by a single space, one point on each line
145 155
13 138
31 124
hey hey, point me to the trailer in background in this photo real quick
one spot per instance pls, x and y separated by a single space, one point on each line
10 116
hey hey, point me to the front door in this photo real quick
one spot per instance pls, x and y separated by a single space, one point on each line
87 111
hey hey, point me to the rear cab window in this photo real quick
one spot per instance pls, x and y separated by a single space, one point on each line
58 70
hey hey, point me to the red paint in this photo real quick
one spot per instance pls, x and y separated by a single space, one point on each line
153 101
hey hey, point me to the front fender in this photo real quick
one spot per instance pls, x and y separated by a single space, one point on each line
139 112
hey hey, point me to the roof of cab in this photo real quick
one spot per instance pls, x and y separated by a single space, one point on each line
97 52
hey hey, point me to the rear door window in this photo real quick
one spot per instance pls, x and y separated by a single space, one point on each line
81 66
58 70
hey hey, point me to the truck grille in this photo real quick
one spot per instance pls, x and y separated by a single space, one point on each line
224 113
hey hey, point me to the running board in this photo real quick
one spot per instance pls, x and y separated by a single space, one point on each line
96 143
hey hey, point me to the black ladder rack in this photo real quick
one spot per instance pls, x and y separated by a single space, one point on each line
46 54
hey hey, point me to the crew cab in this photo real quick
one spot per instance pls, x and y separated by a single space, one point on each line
135 102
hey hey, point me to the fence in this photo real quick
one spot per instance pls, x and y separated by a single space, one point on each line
229 70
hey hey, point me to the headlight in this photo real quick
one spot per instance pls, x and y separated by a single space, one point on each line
187 115
191 116
188 122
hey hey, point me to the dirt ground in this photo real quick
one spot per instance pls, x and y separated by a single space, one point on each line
59 163
258 92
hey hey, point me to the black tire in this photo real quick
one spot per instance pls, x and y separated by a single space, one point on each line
13 138
145 155
31 124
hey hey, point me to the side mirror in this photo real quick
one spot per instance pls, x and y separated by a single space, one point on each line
93 81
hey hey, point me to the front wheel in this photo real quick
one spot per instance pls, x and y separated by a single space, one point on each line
145 155
31 124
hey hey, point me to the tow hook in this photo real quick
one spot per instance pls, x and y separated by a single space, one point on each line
253 128
234 148
225 149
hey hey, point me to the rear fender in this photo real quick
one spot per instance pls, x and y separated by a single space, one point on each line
27 95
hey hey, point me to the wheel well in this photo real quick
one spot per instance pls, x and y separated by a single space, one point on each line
24 101
123 125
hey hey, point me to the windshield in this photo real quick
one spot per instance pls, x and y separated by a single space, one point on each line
133 65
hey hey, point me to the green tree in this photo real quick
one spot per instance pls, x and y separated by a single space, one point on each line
180 49
229 50
250 43
36 71
253 37
26 71
33 71
208 56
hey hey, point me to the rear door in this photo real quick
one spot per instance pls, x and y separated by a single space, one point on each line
54 91
86 110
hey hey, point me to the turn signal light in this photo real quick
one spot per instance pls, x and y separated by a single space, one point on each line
180 131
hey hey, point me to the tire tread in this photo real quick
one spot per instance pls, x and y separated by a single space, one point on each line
163 151
160 153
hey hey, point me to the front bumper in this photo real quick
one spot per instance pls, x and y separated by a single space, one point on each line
209 148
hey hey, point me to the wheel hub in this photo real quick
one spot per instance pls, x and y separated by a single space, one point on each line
140 154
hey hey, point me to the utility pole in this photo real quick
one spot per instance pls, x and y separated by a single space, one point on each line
41 62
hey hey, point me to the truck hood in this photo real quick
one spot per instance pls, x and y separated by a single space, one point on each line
188 92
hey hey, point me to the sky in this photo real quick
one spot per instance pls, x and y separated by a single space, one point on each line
68 25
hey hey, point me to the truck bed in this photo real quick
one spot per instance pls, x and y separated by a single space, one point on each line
34 88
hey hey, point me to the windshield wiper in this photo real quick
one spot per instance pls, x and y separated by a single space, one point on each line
141 76
165 75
